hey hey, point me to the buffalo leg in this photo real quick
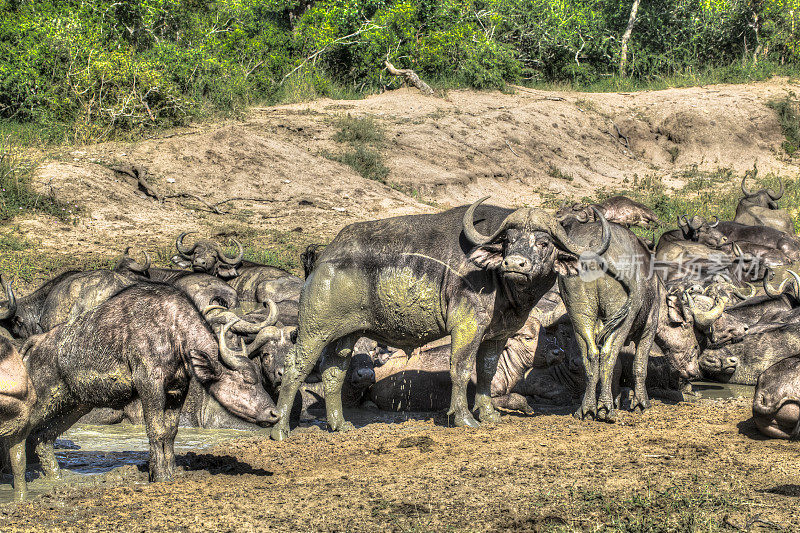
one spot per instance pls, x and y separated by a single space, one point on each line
584 335
172 415
300 362
45 441
486 366
334 370
464 344
608 361
154 406
16 453
640 399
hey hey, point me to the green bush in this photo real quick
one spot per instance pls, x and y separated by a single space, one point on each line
83 71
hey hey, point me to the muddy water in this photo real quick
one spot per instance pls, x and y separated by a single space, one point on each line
87 450
721 391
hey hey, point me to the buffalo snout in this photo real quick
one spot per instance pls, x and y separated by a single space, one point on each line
363 377
269 417
517 263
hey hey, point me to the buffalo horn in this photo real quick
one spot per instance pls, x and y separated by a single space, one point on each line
715 223
771 292
696 222
184 251
244 327
236 259
135 266
775 197
228 356
11 306
746 193
705 319
535 220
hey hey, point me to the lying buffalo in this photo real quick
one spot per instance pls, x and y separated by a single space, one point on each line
696 237
618 209
145 342
752 239
760 208
765 344
407 281
260 283
776 402
208 257
17 398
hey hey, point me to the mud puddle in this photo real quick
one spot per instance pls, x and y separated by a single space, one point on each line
88 453
721 391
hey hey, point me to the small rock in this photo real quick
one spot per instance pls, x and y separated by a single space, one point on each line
170 180
287 181
340 209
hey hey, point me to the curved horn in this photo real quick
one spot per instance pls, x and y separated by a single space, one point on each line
705 319
472 234
269 333
11 306
716 222
694 224
796 283
135 266
235 260
771 292
583 217
228 356
739 294
182 250
683 221
244 327
560 235
747 194
775 197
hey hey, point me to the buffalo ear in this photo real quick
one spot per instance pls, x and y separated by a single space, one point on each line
204 368
227 272
487 256
180 261
566 264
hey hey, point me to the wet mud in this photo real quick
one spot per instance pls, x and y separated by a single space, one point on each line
693 466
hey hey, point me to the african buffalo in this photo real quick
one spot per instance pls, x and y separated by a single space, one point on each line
208 257
17 398
146 342
618 209
760 208
406 281
626 300
776 402
761 237
259 283
694 238
765 344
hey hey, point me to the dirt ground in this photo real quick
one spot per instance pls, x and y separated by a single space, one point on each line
526 148
698 466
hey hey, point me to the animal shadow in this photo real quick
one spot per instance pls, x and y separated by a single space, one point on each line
748 429
783 490
218 464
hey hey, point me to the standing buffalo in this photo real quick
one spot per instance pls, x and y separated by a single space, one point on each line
627 302
776 402
760 208
406 281
145 342
17 397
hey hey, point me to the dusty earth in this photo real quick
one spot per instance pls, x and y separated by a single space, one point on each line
689 467
527 148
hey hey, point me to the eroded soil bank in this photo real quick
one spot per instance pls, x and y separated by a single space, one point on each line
698 466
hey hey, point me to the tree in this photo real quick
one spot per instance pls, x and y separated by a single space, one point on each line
623 53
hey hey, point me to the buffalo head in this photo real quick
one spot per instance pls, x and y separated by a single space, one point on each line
698 229
529 244
766 198
234 381
208 257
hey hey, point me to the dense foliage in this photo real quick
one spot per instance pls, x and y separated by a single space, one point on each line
104 67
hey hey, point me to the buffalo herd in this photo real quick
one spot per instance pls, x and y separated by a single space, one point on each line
473 309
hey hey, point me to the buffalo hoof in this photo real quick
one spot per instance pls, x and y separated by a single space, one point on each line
587 409
639 403
465 421
20 494
341 427
279 434
606 413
